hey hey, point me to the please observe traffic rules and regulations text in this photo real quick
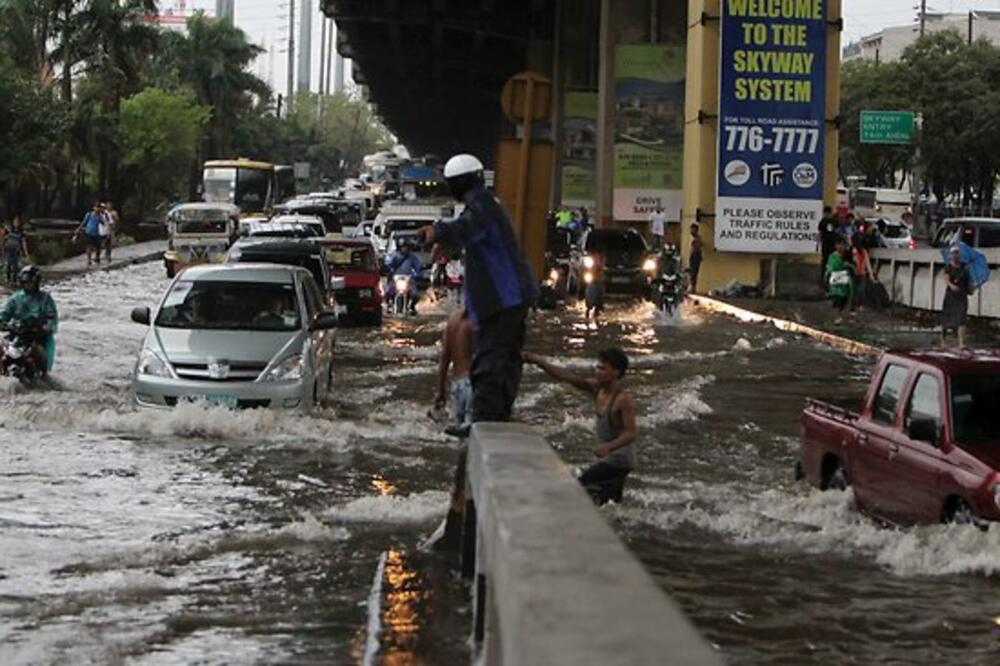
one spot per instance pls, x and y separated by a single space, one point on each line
772 104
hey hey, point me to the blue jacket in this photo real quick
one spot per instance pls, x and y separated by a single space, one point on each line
497 275
92 224
400 264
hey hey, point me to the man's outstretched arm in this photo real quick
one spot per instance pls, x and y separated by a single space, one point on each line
562 374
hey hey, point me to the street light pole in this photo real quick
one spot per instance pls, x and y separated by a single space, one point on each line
923 16
290 83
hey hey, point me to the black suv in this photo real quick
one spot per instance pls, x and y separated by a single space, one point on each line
625 256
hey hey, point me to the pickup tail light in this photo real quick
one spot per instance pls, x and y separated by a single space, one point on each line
996 495
912 244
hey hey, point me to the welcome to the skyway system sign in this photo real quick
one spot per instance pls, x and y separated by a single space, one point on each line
772 101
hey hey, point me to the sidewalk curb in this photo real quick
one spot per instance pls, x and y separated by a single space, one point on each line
748 316
53 272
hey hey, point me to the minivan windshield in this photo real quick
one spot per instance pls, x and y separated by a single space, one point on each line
235 306
975 408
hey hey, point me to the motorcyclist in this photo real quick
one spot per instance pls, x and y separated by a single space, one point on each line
32 304
404 262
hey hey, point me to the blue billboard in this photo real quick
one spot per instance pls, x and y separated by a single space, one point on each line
772 113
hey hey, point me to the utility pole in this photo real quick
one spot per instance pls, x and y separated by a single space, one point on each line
290 83
923 16
330 48
305 47
971 17
322 57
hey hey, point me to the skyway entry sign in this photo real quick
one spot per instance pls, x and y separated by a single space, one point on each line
772 131
887 127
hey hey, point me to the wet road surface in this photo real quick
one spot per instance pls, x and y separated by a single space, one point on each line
254 537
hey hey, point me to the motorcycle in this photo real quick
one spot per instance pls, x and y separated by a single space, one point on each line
667 293
402 301
18 351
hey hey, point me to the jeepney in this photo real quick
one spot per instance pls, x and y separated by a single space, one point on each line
199 233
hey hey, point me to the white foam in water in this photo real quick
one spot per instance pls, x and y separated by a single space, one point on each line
742 345
680 402
817 522
392 509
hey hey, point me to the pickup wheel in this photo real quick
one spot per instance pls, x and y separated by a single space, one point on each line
834 474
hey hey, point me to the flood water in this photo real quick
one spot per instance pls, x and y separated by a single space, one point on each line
251 537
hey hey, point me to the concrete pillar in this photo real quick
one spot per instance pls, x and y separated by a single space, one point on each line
701 137
558 97
606 115
305 47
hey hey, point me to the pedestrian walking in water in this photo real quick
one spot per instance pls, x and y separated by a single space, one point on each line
955 310
615 422
499 288
111 226
15 248
863 273
694 258
839 271
91 229
593 293
826 240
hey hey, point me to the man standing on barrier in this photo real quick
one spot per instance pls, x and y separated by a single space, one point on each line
499 288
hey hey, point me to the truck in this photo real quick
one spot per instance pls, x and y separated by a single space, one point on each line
925 446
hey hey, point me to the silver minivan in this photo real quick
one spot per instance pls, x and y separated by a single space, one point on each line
237 335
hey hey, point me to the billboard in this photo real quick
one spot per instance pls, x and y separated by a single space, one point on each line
772 104
579 180
649 130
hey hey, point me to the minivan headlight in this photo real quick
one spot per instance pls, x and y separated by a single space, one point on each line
152 365
588 262
289 369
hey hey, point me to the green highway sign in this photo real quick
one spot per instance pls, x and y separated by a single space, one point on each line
890 127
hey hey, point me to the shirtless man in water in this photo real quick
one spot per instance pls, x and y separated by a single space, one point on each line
456 353
615 425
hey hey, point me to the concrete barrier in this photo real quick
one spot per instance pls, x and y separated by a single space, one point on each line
554 584
915 278
750 317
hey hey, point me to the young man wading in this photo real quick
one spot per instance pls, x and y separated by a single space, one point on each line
615 422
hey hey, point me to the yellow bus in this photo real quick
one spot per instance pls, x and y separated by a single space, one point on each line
251 185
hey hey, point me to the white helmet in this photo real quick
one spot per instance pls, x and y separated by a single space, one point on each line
461 165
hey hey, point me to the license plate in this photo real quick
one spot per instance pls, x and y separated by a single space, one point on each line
340 309
620 280
214 400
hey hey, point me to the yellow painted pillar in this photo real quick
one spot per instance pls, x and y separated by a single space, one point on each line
701 139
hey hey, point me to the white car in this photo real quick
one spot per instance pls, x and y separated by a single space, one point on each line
239 336
895 235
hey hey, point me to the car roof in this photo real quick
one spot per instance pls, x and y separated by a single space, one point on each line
230 209
293 218
973 220
954 361
344 240
244 272
277 246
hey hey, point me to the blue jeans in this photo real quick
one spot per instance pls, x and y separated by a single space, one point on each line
461 402
12 256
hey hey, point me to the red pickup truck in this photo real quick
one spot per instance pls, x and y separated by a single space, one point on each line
354 260
925 447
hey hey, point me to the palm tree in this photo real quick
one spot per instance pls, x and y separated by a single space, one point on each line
214 60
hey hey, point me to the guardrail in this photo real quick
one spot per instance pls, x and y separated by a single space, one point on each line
915 278
554 585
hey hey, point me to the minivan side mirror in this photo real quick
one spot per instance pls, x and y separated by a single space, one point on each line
337 283
924 430
324 321
140 316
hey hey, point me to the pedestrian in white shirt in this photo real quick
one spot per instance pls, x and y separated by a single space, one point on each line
657 226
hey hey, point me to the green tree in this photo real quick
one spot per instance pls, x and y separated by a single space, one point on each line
31 125
160 131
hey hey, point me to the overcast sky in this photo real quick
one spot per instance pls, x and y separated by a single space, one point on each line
863 17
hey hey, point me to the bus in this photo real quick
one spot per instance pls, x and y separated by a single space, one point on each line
251 185
885 203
